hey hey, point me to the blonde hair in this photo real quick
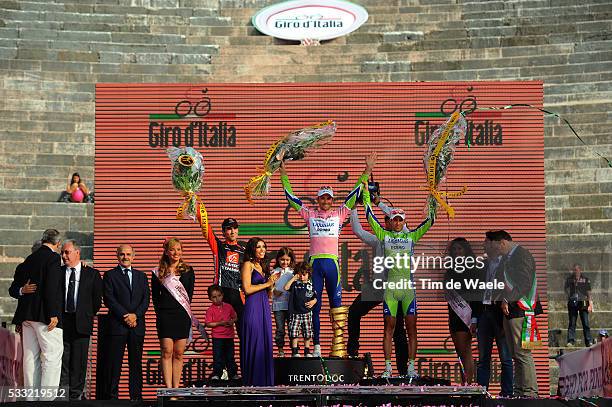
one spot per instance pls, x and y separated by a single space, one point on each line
164 261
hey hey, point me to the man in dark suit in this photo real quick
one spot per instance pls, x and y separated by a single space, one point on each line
519 270
126 294
82 301
489 320
39 313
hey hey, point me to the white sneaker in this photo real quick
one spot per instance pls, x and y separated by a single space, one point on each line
214 378
412 374
317 351
386 374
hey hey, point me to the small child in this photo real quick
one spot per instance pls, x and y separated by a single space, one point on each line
302 297
221 317
285 261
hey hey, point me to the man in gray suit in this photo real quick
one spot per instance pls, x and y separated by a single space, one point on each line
519 271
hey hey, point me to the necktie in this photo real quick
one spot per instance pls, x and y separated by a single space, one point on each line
70 306
127 278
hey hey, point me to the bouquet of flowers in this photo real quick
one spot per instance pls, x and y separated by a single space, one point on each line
294 146
187 176
438 156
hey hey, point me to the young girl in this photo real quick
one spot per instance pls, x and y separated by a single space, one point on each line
285 262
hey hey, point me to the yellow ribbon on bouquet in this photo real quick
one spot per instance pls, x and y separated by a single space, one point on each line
431 170
202 215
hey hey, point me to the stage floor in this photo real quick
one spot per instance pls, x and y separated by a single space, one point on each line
341 395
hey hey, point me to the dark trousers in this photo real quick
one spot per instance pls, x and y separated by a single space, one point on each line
223 357
232 297
358 310
281 320
116 350
74 359
573 311
491 327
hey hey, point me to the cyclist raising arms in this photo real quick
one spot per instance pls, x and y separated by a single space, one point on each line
397 241
324 225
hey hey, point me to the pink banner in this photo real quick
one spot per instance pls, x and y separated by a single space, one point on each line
606 365
581 373
11 359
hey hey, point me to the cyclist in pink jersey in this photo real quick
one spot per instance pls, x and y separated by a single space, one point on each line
324 226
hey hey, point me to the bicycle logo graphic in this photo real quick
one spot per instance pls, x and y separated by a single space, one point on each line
450 105
200 109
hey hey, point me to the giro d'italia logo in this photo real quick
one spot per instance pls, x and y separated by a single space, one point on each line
191 124
482 127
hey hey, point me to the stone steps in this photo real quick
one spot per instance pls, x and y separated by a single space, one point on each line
39 223
17 250
578 201
504 11
562 144
7 307
562 336
20 195
598 319
577 163
581 188
580 213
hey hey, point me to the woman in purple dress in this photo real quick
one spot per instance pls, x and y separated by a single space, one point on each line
256 358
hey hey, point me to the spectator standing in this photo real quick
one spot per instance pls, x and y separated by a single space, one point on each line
579 302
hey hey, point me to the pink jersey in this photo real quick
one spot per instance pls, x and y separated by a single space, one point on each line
323 226
324 229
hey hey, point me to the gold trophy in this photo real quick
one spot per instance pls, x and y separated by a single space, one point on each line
339 318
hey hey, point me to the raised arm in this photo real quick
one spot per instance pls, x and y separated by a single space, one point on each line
420 230
358 230
351 198
371 218
295 202
210 235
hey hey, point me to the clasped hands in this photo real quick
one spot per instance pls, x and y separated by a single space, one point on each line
130 320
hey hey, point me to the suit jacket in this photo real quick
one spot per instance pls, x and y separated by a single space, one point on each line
120 300
520 270
43 269
89 298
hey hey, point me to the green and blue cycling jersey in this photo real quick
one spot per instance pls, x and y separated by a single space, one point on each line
394 244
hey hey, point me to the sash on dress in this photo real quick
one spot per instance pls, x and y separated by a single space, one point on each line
177 290
460 306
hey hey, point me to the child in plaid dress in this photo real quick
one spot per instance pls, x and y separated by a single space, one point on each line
302 297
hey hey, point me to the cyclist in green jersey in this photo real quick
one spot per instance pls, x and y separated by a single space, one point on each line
398 244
